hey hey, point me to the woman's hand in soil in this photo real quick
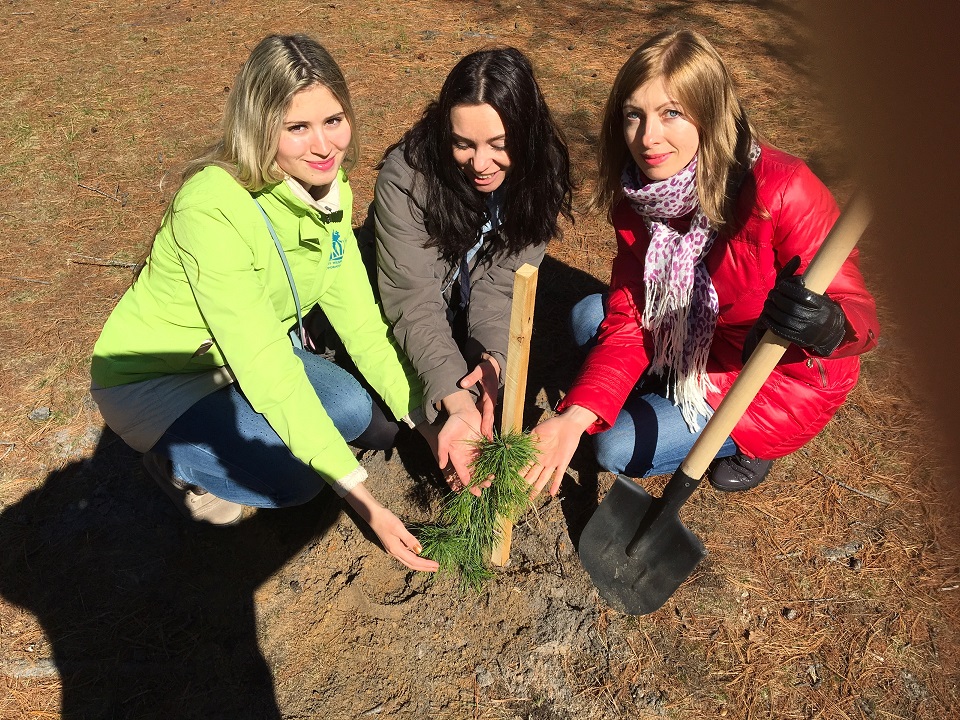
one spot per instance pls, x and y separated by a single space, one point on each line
557 440
487 375
394 536
456 442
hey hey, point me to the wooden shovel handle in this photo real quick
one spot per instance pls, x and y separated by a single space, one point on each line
826 263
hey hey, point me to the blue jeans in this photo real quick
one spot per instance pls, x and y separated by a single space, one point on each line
225 447
650 436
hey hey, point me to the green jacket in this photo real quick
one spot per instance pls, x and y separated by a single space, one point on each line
214 274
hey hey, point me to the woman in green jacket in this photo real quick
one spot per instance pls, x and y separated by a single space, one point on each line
195 366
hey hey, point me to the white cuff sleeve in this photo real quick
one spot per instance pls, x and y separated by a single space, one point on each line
349 481
415 417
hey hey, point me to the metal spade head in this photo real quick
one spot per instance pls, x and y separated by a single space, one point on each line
635 548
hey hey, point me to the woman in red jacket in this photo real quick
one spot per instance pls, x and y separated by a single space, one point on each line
713 232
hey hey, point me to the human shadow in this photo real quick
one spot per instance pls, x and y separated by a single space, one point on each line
146 615
554 363
554 358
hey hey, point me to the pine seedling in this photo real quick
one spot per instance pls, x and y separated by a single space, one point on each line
462 540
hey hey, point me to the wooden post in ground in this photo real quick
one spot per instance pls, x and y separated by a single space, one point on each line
515 381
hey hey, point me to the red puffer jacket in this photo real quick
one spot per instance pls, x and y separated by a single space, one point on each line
787 212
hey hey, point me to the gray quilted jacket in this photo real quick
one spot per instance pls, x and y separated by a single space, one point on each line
415 285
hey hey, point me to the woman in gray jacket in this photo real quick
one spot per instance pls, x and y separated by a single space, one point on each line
471 192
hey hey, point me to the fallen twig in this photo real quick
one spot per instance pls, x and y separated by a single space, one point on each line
476 699
89 260
836 600
25 279
852 489
116 197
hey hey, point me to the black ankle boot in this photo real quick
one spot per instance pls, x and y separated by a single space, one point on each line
739 472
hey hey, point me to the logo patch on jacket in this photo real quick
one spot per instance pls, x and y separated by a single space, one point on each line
336 255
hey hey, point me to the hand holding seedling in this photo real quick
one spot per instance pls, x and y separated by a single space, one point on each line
556 440
456 441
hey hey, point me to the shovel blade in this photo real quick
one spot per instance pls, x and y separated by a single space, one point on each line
660 559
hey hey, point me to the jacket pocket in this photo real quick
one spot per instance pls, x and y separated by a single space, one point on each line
817 364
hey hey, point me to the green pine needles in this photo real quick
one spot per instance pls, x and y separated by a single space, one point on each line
462 540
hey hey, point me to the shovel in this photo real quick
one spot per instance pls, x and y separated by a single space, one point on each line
635 548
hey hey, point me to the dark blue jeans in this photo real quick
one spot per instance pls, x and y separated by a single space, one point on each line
650 436
225 447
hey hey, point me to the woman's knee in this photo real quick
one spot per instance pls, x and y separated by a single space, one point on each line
585 319
296 493
351 415
611 454
344 398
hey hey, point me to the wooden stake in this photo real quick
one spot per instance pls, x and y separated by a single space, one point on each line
515 381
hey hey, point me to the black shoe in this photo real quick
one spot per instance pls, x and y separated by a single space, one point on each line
739 472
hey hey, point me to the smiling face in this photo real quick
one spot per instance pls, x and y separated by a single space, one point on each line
662 139
314 138
479 145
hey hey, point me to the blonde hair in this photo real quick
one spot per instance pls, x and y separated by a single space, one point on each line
279 67
695 75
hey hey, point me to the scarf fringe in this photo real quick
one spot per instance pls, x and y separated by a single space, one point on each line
690 397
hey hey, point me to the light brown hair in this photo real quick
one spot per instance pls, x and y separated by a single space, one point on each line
279 67
695 75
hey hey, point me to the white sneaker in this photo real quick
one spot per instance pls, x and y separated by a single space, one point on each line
193 502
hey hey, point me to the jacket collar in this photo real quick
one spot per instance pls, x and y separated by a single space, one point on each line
327 205
298 201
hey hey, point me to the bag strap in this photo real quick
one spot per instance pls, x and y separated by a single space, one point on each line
299 338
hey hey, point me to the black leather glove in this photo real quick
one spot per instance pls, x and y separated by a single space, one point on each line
814 322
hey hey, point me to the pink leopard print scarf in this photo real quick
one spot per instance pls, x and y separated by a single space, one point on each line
681 307
681 303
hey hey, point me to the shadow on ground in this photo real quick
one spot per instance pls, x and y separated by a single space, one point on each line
554 363
147 616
